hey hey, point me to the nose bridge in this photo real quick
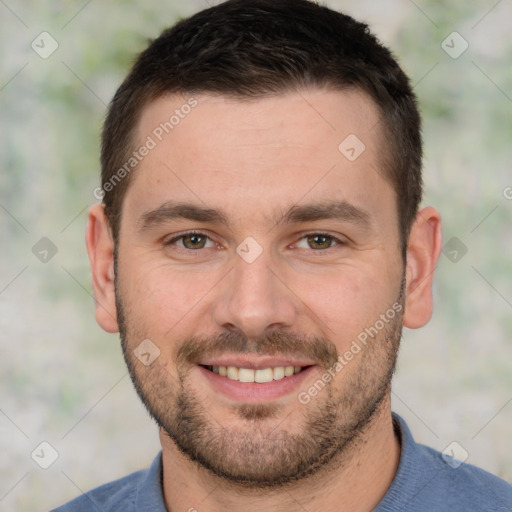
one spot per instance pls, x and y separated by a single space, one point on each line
253 298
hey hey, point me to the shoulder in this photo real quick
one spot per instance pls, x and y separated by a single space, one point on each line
118 495
462 486
123 495
429 480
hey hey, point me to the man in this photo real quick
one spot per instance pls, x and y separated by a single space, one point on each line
259 248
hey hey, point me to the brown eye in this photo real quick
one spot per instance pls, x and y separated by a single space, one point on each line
194 241
318 241
190 241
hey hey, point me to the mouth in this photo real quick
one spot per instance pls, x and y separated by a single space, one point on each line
252 385
261 376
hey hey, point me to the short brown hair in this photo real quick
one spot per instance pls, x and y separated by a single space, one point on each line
254 48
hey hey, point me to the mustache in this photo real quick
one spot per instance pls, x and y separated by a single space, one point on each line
317 349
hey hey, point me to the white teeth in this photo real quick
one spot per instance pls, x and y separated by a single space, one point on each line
261 376
245 375
232 373
265 375
288 371
279 373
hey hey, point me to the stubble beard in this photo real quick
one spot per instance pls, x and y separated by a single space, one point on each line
262 454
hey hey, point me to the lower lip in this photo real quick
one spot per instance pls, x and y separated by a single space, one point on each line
253 392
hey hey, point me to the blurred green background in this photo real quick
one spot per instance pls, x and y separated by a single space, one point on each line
63 379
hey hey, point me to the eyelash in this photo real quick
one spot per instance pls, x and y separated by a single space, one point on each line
199 233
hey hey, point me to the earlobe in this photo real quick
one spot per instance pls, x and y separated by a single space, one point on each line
423 250
100 248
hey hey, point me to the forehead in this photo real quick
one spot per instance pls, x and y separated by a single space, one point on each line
319 118
260 154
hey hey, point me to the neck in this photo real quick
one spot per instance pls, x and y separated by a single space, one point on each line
356 481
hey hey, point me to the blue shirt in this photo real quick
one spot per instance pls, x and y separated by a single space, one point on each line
426 481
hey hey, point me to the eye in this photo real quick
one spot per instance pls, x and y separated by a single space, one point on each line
318 241
191 241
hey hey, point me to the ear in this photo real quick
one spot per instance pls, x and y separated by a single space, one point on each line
423 250
100 248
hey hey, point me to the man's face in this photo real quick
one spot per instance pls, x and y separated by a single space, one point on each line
294 253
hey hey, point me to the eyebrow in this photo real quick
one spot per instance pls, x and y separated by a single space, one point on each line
336 210
172 211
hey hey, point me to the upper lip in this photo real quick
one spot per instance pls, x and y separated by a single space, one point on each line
254 362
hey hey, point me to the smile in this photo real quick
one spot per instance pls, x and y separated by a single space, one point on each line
261 376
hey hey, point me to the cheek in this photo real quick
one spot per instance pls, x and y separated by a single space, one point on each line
347 301
161 299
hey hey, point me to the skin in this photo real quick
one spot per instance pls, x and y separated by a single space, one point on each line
255 159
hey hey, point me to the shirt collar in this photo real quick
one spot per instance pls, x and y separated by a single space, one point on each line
149 497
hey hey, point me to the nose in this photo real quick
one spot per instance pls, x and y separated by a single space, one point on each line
254 299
